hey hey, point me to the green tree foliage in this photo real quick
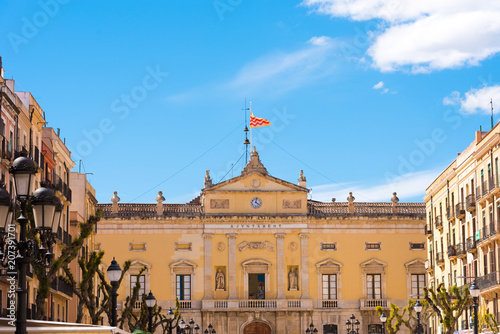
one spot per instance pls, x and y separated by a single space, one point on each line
46 275
491 322
448 305
138 319
406 316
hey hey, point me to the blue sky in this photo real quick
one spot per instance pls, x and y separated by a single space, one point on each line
368 96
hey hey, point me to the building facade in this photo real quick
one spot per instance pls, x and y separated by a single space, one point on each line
462 208
253 255
23 128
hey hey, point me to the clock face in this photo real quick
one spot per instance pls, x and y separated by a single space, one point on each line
256 202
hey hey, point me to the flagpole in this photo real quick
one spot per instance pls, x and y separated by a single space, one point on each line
251 138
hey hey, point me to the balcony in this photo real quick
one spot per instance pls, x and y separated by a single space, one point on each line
429 266
460 211
438 222
452 253
460 250
329 303
489 282
471 244
259 304
470 203
487 232
428 230
440 259
373 303
450 213
62 286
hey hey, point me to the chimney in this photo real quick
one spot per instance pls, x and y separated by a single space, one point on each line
58 131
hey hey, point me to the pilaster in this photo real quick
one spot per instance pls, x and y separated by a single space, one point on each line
280 267
304 265
207 250
231 264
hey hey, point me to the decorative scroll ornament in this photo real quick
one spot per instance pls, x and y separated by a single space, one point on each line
256 245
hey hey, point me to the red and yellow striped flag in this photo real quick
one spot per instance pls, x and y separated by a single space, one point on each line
256 122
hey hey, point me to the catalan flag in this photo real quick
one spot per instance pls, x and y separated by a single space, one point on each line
256 122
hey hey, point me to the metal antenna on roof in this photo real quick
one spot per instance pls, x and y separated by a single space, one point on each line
246 142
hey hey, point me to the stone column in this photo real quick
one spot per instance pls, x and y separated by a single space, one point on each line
231 264
207 279
280 264
304 265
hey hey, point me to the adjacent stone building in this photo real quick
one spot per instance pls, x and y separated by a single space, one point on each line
463 207
253 255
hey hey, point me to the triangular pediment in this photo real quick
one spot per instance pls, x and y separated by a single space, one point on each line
255 181
255 192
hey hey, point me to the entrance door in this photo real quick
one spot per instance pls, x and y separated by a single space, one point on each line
256 286
257 328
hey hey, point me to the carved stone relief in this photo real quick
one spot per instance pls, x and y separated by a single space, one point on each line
219 204
292 204
256 245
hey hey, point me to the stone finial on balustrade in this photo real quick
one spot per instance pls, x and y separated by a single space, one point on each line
208 180
159 205
302 180
394 201
351 199
115 199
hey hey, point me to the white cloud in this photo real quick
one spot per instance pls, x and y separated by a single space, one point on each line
384 90
475 100
285 71
274 73
423 35
407 186
379 85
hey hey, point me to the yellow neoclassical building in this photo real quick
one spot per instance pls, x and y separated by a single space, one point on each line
253 255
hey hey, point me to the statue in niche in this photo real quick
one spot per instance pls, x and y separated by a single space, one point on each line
293 279
220 280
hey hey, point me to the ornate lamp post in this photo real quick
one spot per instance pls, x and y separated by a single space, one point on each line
210 330
383 319
44 202
170 317
351 323
150 302
418 308
114 273
474 292
311 329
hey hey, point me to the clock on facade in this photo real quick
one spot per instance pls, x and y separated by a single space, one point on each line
256 202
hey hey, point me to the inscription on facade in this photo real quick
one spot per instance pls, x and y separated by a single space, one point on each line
292 204
219 204
256 245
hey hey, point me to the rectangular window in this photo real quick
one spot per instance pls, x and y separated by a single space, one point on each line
374 286
330 286
417 284
373 246
328 246
142 282
183 286
417 245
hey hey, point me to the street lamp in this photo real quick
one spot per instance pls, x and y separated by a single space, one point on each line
44 202
383 318
311 329
474 292
418 308
150 303
114 273
350 324
170 319
210 330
